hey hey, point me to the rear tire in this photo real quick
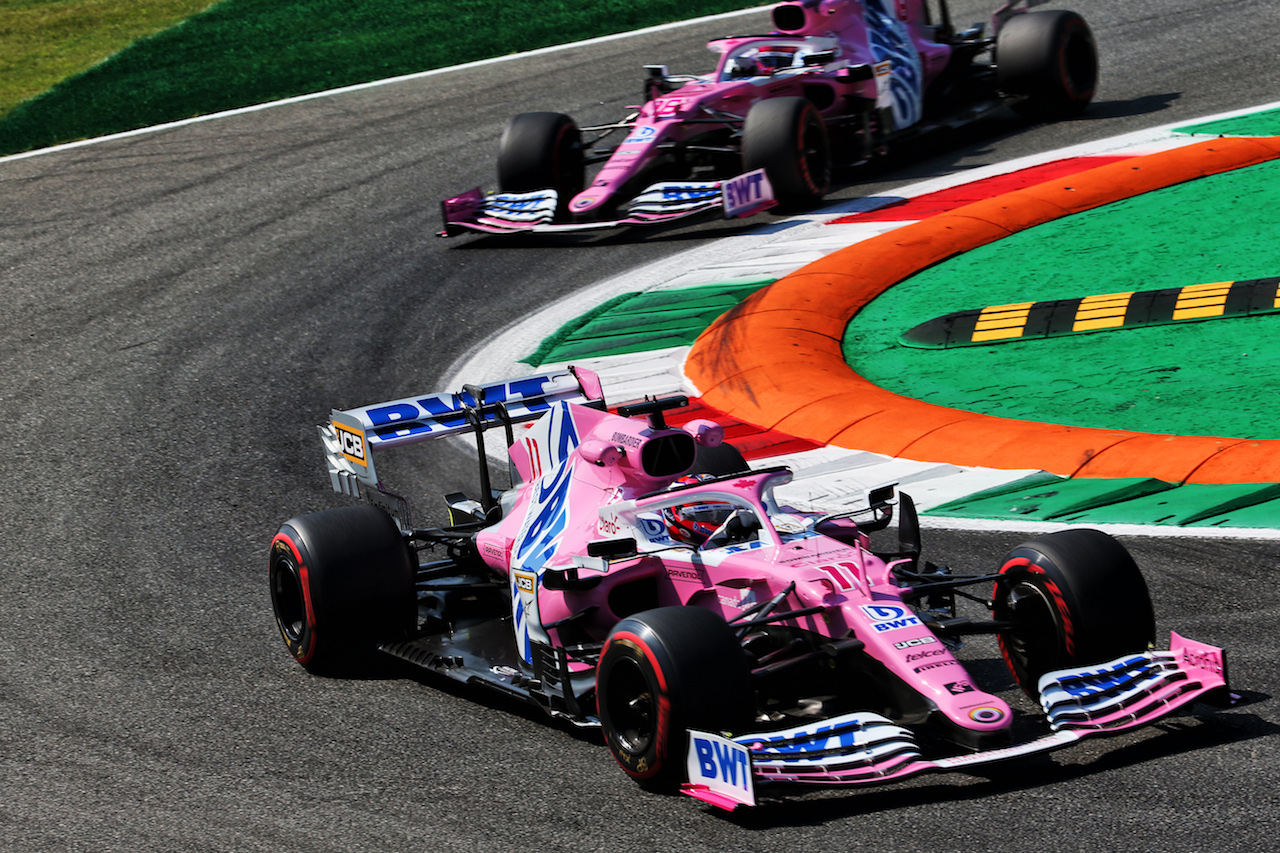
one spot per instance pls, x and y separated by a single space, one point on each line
1051 59
788 139
541 151
1076 598
341 581
662 672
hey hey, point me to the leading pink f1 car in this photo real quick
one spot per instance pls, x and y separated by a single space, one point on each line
834 84
640 577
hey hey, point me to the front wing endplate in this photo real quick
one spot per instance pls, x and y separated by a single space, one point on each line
511 213
867 748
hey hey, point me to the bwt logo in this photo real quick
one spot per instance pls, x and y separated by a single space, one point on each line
526 204
433 412
678 194
653 529
641 134
727 762
889 617
744 190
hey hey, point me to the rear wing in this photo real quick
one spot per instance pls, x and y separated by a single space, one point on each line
354 436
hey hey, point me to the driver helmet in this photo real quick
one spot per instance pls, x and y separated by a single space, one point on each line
693 522
771 59
742 66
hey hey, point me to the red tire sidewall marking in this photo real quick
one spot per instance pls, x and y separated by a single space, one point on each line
638 645
1024 564
302 654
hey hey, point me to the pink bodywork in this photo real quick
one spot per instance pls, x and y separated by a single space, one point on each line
582 543
583 481
839 28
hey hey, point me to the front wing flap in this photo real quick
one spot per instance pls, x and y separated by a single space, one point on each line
510 213
867 748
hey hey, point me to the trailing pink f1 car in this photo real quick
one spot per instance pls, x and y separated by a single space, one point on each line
642 578
835 83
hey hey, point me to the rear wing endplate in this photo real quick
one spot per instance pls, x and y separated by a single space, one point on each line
354 436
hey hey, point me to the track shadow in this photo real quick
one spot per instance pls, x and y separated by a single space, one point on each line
1145 105
1178 735
691 230
930 155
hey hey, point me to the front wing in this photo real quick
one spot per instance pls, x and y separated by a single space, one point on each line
510 213
866 748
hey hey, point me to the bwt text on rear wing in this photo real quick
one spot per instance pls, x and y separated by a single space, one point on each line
352 436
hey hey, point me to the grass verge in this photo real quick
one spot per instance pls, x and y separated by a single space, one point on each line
43 42
243 52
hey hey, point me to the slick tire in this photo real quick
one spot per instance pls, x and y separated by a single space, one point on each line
662 672
1050 59
788 139
540 151
1075 598
341 582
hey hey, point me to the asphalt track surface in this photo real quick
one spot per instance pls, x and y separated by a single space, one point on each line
182 307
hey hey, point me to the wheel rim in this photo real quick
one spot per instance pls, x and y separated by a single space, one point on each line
1080 65
287 598
813 146
1033 643
631 707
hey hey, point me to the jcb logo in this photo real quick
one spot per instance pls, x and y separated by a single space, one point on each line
352 443
524 583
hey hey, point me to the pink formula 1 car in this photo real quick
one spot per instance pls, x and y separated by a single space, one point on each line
642 578
835 83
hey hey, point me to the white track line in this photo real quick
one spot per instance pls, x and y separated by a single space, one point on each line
480 63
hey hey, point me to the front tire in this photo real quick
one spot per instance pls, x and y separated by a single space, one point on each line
662 672
540 151
1075 598
341 580
1051 59
788 139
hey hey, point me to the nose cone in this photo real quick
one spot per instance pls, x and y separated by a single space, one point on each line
979 711
587 201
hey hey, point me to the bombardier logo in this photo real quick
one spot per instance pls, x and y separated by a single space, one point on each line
632 441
